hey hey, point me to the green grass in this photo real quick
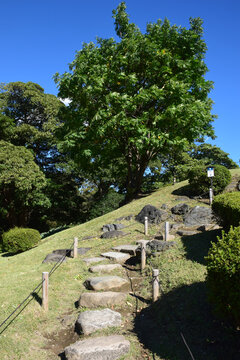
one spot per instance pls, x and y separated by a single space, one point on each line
182 277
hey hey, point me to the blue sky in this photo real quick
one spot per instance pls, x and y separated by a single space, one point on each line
40 38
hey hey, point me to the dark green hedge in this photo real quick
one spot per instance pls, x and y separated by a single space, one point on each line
227 208
19 239
223 275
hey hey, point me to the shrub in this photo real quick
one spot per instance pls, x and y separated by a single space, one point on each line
200 183
19 239
107 204
223 275
227 208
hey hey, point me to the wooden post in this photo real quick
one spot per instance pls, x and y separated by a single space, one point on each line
143 256
146 225
166 230
75 249
155 274
45 291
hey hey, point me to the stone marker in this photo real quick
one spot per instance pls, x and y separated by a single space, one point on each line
127 248
98 348
108 268
96 299
93 320
116 256
107 283
92 260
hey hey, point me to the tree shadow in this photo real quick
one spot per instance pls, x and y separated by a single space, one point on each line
197 246
186 312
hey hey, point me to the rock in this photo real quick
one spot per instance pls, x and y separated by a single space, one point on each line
139 242
112 227
116 256
208 227
187 232
50 258
155 216
106 283
107 298
199 215
112 234
69 252
108 268
98 348
81 251
180 209
92 260
93 320
68 320
176 226
159 246
164 206
182 198
127 218
126 248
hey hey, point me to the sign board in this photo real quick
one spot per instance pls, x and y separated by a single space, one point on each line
210 171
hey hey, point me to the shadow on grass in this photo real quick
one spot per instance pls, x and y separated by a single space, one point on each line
197 246
186 311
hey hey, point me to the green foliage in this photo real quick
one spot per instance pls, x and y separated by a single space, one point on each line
134 99
19 239
107 204
223 275
227 208
200 183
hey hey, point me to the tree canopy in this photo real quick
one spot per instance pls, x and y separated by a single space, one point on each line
136 98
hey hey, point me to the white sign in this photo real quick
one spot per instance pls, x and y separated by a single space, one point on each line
210 172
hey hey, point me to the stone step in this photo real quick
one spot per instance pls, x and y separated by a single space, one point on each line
106 283
90 321
126 248
108 268
93 260
116 256
98 348
96 299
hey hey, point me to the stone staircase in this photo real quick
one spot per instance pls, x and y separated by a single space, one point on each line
106 291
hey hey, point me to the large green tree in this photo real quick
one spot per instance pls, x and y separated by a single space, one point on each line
135 98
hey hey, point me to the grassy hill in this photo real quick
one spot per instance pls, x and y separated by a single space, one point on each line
156 331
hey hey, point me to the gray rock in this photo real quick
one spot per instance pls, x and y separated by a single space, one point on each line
108 268
116 256
98 348
93 260
199 215
127 218
159 246
155 216
164 206
106 283
176 226
69 252
107 298
112 227
126 248
187 232
180 209
50 258
208 227
182 198
93 320
112 234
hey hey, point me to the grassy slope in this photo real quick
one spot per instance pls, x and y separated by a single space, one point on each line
181 268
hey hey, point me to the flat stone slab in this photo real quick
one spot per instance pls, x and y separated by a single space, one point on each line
108 268
107 283
98 348
108 298
127 248
50 258
93 320
187 232
139 242
92 260
116 256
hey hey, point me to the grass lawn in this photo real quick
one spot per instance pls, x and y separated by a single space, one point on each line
154 330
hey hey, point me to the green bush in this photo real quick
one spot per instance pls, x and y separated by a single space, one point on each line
227 208
19 239
107 204
223 275
200 182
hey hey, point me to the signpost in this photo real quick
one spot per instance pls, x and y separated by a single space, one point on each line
210 174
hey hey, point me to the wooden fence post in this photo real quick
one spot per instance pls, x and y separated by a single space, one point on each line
75 249
166 231
155 285
143 256
146 225
45 291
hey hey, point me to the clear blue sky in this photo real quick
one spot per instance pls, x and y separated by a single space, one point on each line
40 37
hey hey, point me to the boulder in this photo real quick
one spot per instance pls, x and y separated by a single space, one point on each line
69 252
107 298
180 209
112 227
112 234
93 320
155 216
50 258
98 348
199 215
186 232
106 283
159 246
